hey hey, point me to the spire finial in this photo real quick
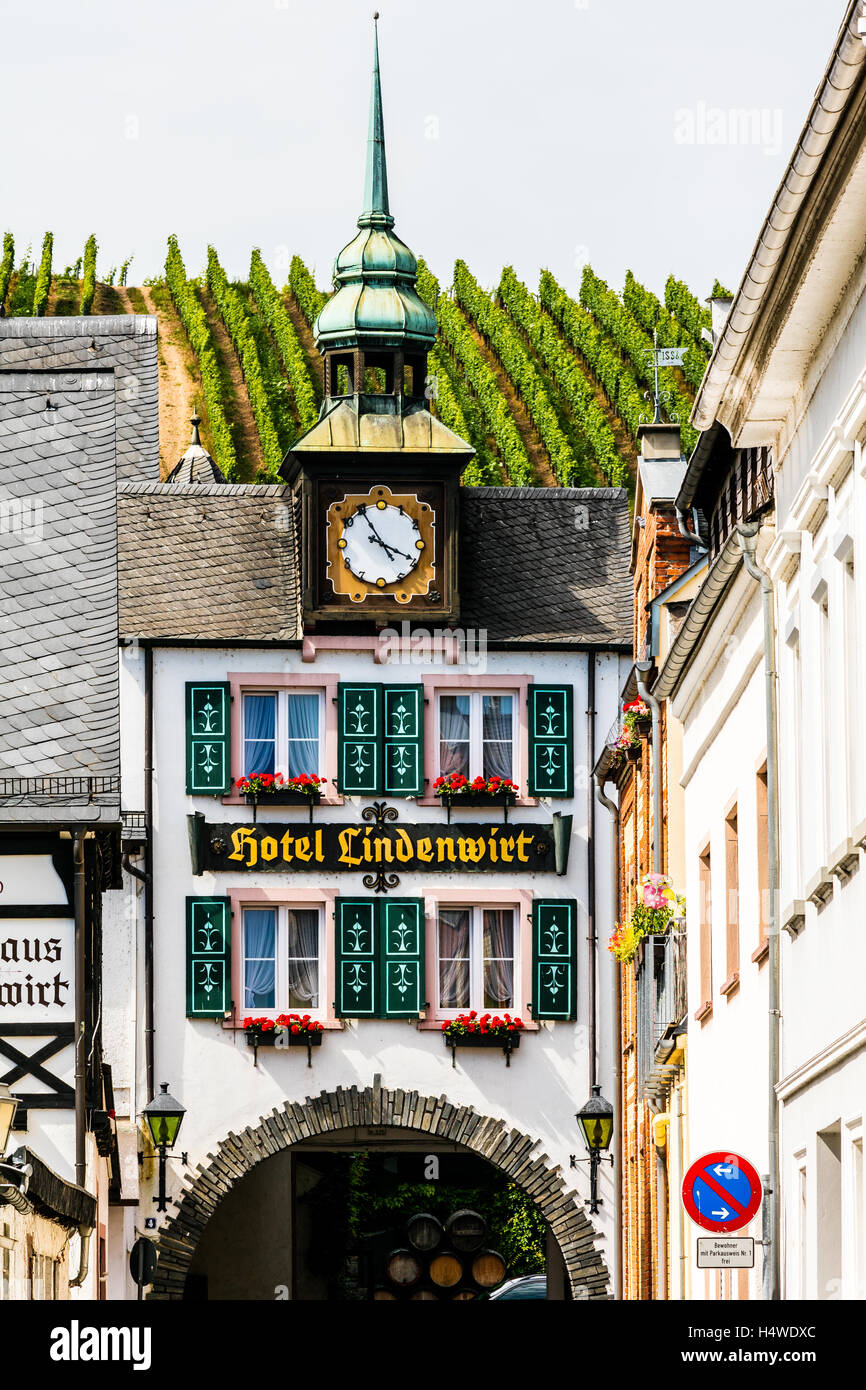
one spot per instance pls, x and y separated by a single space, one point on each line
376 209
195 421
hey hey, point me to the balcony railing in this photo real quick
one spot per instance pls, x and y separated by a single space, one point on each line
662 1005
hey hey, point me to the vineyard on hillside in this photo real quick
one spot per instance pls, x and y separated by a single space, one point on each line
548 387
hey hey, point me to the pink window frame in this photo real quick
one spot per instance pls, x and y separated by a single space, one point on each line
435 684
246 895
241 682
521 899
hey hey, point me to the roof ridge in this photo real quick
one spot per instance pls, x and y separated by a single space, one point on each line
204 489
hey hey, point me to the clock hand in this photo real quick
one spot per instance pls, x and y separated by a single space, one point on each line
384 544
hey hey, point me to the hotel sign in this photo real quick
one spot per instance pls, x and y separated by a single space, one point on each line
380 850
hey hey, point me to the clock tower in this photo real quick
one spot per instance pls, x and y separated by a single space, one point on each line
377 478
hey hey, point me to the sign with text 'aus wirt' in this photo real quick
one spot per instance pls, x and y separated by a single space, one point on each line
37 967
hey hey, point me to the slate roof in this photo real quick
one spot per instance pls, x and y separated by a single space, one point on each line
59 713
218 562
207 562
123 343
546 565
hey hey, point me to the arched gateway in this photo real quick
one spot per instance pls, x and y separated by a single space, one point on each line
345 1108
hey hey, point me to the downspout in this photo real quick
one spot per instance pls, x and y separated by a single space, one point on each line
84 1234
688 535
644 667
78 910
148 871
590 867
748 537
617 1045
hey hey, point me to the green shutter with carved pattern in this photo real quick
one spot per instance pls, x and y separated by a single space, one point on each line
208 957
359 739
551 740
554 958
403 724
401 940
356 957
208 738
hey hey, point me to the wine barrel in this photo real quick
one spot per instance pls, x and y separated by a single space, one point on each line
380 1294
488 1269
424 1296
466 1230
446 1270
403 1268
424 1232
464 1293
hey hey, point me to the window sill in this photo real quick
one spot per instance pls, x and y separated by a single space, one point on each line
491 805
731 985
239 799
705 1011
434 1025
762 953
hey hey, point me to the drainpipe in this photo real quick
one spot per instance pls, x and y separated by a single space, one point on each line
590 868
78 910
148 871
84 1234
612 807
748 537
688 535
644 667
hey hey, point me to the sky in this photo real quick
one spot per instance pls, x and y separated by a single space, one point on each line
543 134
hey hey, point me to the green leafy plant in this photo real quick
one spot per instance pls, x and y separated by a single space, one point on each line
651 314
43 277
686 308
303 287
195 323
88 284
292 356
233 315
7 265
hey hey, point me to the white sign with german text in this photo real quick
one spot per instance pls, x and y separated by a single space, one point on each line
726 1252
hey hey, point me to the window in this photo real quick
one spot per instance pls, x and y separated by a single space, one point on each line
705 907
477 958
477 734
282 954
44 1277
732 916
7 1245
282 732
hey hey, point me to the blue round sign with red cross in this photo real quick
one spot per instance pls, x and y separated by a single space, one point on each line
722 1192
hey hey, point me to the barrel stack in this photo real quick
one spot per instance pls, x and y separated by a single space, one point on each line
441 1263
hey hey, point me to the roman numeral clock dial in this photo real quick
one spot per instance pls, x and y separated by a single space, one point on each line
381 542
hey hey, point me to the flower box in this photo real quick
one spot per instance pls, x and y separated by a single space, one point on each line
505 1042
281 1035
289 1040
283 797
467 794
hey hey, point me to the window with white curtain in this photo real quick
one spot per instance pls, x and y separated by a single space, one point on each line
282 732
282 956
477 733
477 959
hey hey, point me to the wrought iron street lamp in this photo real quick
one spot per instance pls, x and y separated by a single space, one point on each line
596 1120
8 1106
163 1116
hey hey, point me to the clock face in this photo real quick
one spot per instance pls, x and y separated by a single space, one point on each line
381 543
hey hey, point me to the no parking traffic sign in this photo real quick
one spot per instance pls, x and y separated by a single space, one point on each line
722 1192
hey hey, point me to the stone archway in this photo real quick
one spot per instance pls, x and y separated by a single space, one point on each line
376 1105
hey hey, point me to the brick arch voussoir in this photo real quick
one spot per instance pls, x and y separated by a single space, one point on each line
510 1150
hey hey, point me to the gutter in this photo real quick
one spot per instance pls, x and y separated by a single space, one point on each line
747 535
613 808
842 74
644 668
78 952
590 870
148 871
719 576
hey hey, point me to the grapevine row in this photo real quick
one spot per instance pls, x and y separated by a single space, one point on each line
578 392
195 323
88 284
303 287
234 316
685 308
506 342
6 266
276 317
273 376
455 334
581 331
652 315
43 277
635 344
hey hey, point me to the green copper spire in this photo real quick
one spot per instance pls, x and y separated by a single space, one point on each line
376 210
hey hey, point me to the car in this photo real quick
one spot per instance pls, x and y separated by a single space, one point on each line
530 1286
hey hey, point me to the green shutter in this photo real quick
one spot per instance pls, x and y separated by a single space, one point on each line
359 744
551 751
554 958
356 958
208 957
402 960
208 738
404 740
